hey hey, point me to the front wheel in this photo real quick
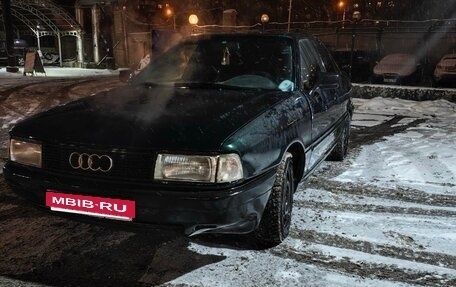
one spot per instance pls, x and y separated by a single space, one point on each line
276 221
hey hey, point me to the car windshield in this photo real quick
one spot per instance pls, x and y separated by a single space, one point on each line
225 61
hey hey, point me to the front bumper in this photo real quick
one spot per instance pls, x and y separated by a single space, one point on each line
445 76
196 208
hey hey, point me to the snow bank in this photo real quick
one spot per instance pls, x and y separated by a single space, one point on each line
62 72
403 92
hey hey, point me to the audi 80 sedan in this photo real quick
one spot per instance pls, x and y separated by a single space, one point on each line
213 136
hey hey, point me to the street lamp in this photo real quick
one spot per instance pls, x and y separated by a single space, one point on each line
193 21
289 15
264 20
356 17
169 12
341 6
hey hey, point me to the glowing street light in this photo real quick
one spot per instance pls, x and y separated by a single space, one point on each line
169 12
264 20
193 19
341 4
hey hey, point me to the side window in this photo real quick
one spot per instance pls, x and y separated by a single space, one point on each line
328 61
308 56
305 63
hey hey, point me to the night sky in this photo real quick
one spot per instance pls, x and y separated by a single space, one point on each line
308 10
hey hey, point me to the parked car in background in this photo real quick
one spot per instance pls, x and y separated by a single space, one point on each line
362 68
445 71
397 69
214 135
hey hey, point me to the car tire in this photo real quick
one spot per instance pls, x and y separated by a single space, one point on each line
276 221
341 149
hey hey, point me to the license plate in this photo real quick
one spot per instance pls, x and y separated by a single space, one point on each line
112 208
389 80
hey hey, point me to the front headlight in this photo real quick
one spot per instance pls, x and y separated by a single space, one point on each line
26 153
223 168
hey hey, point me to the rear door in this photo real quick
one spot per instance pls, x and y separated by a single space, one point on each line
331 83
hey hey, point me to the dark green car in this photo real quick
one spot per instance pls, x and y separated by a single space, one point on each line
214 136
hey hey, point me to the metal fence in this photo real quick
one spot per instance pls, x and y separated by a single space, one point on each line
428 40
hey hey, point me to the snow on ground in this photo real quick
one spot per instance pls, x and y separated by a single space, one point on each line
389 213
254 268
17 283
61 72
423 157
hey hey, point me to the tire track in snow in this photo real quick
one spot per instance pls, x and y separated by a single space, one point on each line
97 86
63 88
390 272
437 259
38 95
369 135
59 91
4 94
374 208
398 193
413 155
40 99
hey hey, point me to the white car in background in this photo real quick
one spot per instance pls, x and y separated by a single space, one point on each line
445 71
397 69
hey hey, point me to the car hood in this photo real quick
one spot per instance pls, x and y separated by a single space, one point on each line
163 118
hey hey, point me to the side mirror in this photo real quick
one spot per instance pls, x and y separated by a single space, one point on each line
125 75
346 69
314 73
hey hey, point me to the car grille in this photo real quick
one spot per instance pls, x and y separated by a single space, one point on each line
126 164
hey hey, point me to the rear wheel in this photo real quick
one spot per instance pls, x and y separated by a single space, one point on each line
340 150
276 221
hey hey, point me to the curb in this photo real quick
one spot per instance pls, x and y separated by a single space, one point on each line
403 92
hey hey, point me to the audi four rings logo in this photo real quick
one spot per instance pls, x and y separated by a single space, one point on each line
91 162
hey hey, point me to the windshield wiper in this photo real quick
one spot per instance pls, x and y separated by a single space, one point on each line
213 85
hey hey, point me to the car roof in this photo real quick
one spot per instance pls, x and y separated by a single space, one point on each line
449 56
399 56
